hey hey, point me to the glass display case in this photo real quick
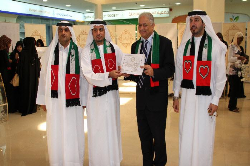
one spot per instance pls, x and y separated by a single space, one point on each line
3 102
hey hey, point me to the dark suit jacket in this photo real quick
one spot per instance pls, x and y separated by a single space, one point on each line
155 99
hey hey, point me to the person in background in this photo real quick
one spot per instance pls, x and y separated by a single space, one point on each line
28 77
39 43
5 65
220 36
235 59
61 94
15 95
200 76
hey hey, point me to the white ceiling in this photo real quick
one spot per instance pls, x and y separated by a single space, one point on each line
82 5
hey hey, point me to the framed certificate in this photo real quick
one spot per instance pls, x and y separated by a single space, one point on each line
131 64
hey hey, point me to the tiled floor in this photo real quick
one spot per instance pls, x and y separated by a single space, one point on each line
23 141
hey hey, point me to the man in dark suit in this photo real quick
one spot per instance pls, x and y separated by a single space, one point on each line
152 90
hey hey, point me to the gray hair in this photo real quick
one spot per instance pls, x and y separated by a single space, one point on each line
148 15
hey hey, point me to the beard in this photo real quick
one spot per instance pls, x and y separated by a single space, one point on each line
196 31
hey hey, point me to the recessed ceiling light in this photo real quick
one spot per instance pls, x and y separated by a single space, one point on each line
177 3
45 0
87 10
68 5
244 0
114 8
142 5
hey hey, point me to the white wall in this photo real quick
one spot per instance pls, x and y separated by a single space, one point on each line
243 8
8 17
176 11
238 8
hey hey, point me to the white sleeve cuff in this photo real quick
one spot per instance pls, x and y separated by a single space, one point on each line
215 100
176 93
40 100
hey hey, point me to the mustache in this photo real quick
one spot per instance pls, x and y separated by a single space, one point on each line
193 27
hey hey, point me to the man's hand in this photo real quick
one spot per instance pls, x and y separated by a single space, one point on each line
123 74
115 74
212 109
44 107
148 70
176 105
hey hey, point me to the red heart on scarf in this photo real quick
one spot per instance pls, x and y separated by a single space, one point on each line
203 70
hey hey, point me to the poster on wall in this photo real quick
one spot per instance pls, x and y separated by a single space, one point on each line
125 37
229 30
168 30
112 32
236 17
11 30
248 39
81 32
54 30
181 30
217 27
38 31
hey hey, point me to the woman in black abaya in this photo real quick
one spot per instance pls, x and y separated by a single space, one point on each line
28 75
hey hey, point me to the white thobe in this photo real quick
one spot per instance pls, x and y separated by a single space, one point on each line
103 114
65 126
196 127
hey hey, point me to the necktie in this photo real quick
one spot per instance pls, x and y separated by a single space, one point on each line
145 51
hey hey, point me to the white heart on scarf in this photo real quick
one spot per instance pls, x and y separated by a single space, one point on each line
111 63
186 63
74 86
98 68
202 74
53 76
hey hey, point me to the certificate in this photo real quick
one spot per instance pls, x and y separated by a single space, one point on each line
131 64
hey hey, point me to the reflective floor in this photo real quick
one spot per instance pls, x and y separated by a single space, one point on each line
23 139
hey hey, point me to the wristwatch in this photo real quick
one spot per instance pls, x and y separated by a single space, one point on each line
175 98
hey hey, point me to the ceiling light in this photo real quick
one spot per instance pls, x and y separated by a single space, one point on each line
177 3
68 5
114 8
45 0
244 0
87 10
142 5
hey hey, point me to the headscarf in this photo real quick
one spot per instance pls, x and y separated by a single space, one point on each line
4 41
221 37
29 46
19 43
236 36
49 54
97 22
39 41
208 28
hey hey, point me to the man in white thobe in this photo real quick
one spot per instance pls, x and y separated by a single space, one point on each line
100 61
201 76
61 93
